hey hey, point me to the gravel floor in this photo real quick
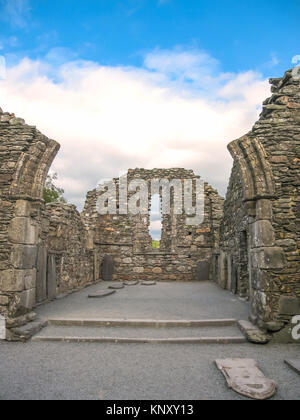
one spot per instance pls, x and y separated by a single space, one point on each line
195 300
40 371
43 371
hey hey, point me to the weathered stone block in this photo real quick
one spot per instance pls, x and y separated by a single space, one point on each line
11 281
22 231
279 159
16 121
29 279
260 280
24 256
22 208
138 270
184 269
157 270
262 234
272 326
286 243
267 258
253 333
20 320
4 300
27 299
264 210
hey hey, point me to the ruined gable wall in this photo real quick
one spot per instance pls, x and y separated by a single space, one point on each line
278 130
127 237
267 162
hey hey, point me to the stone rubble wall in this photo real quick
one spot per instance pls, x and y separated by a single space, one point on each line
253 249
25 158
64 237
127 238
43 249
264 196
232 261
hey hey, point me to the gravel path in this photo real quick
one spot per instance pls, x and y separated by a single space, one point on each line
163 301
134 371
39 371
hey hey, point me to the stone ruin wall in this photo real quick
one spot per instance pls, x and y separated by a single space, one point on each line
63 251
254 249
49 250
127 238
43 249
232 266
260 246
25 158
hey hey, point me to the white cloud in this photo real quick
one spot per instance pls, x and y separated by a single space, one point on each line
181 63
16 12
273 62
179 110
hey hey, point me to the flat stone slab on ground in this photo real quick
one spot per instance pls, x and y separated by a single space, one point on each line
101 294
294 364
27 331
116 286
131 283
244 377
148 283
253 334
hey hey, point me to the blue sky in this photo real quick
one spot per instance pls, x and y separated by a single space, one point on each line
240 34
142 83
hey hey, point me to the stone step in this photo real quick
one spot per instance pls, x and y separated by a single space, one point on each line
27 331
142 323
128 334
194 340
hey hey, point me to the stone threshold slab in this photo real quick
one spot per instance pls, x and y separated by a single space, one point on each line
253 334
27 331
193 340
142 322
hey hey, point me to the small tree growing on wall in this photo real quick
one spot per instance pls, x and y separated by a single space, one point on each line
51 193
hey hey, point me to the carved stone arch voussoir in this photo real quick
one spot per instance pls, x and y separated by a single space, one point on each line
32 168
43 168
256 172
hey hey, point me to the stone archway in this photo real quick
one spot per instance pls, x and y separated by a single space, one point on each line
258 192
26 159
